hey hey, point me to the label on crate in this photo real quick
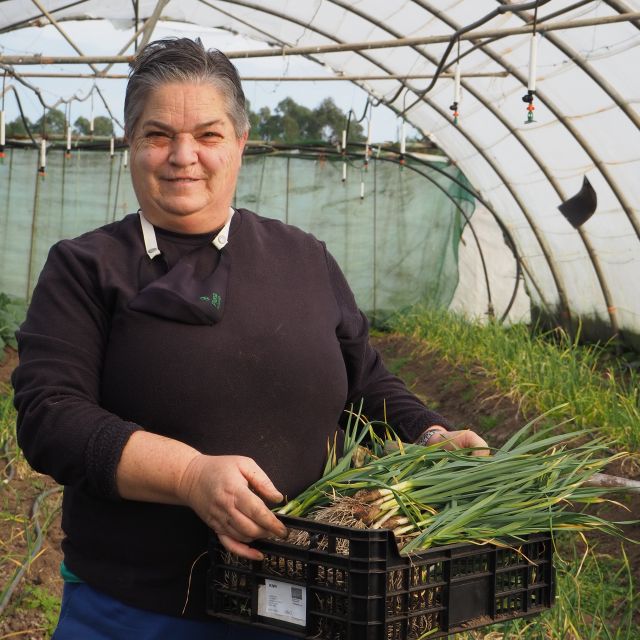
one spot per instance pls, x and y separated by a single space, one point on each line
283 601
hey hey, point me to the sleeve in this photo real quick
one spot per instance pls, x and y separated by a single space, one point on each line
61 427
369 380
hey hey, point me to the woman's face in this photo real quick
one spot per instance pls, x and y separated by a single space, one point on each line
185 158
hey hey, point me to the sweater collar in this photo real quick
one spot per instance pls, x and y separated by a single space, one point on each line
151 243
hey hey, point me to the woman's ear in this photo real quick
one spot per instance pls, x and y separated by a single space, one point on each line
242 141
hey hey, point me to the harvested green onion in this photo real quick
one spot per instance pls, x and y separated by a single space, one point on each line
430 496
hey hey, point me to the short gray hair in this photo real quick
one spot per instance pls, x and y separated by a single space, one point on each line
183 60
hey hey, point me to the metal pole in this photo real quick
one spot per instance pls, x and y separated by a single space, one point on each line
26 23
286 202
375 239
347 77
111 161
129 42
34 215
62 32
115 198
337 48
65 160
150 24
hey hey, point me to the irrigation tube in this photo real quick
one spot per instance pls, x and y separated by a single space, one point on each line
34 216
389 102
9 470
35 509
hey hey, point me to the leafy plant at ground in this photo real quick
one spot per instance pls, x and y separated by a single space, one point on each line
539 370
27 509
47 604
595 600
12 313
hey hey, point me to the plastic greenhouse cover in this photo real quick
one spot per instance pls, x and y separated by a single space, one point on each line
586 120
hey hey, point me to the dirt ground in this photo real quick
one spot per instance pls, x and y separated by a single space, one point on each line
465 397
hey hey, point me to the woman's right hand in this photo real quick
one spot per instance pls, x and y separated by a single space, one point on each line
229 494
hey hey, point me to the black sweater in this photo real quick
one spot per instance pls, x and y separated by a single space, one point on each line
270 379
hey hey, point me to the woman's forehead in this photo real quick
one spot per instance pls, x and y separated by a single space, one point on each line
189 102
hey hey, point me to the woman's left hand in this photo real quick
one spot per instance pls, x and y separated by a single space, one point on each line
462 439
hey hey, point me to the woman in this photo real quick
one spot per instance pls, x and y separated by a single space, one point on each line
182 369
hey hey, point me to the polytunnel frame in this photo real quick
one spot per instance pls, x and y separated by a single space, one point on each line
525 211
543 99
374 62
617 6
472 141
314 152
534 156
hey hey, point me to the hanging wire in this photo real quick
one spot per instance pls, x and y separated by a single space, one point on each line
402 141
308 25
358 121
42 164
45 105
367 148
2 122
67 153
60 101
545 18
533 55
25 121
16 76
364 111
456 89
108 108
91 122
456 36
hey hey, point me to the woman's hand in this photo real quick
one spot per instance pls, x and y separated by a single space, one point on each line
229 493
463 439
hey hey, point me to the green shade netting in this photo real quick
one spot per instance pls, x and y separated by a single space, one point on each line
398 244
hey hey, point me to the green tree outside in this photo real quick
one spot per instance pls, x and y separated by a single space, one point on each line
291 122
16 128
102 126
54 123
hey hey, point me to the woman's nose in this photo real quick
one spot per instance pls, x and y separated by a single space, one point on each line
183 150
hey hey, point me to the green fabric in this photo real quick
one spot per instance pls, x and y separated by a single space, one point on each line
398 245
67 575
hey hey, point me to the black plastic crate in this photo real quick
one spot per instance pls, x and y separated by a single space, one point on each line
341 583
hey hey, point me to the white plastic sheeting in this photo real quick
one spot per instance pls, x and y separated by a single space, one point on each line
471 297
586 118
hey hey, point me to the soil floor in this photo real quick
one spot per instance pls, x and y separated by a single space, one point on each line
465 397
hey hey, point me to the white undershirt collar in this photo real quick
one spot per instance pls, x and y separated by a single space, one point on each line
151 243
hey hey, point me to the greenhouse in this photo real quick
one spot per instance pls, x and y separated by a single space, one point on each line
478 187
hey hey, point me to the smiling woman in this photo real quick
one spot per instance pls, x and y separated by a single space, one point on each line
184 368
185 158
